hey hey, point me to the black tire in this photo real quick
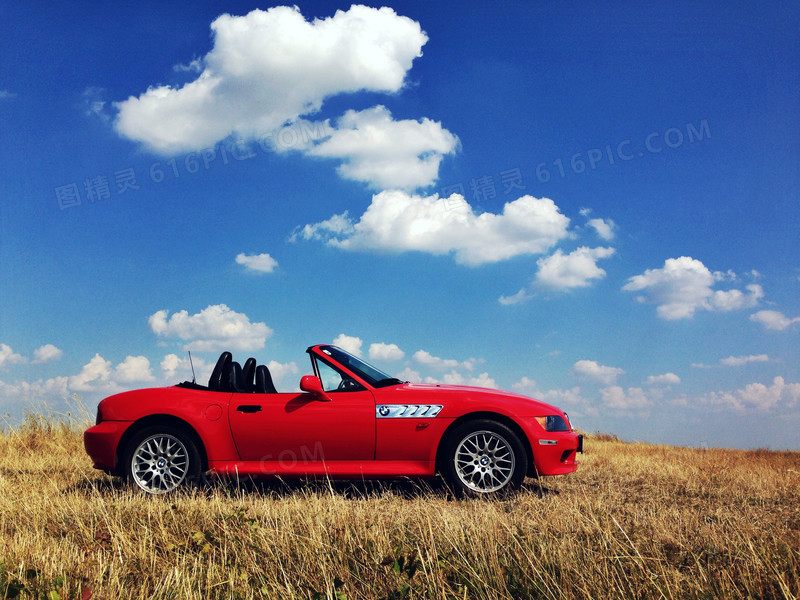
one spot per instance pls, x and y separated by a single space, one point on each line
483 458
160 459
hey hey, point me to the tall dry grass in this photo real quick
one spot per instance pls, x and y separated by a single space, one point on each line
635 521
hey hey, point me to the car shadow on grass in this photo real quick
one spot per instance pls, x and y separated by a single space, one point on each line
358 490
408 489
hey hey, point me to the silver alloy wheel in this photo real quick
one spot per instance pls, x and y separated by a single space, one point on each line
160 463
484 461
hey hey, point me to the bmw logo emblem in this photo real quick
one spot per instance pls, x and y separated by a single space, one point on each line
383 410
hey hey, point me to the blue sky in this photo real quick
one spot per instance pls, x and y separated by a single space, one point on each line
593 205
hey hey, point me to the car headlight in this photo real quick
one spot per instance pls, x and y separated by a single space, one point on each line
553 423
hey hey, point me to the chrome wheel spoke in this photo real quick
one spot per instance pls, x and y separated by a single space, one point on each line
160 463
484 461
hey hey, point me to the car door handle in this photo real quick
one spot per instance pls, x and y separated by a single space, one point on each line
249 408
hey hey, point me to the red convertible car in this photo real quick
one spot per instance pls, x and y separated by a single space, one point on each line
351 421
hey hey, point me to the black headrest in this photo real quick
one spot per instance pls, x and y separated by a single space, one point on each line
249 374
264 383
236 379
215 383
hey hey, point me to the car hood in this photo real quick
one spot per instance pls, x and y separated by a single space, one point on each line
439 393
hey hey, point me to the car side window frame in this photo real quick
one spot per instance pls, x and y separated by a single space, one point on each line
354 385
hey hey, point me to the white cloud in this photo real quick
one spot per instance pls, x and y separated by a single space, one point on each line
175 368
387 352
94 376
663 379
46 353
617 398
570 398
349 343
283 375
772 319
604 227
9 357
396 221
427 359
527 386
684 285
15 397
5 94
337 225
457 372
93 104
133 369
409 374
386 153
43 354
456 378
566 397
216 327
267 69
738 361
98 376
757 396
560 272
262 263
726 300
594 370
734 361
172 363
519 297
193 66
728 275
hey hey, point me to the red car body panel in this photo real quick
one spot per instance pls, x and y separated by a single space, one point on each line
342 469
291 427
349 436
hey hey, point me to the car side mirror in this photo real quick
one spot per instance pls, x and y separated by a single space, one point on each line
312 384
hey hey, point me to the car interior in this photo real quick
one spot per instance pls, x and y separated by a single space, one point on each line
229 376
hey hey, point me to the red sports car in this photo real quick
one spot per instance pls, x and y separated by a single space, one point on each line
351 421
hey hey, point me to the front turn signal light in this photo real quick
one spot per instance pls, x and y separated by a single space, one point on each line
553 423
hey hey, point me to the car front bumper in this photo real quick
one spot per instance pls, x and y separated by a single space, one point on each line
554 452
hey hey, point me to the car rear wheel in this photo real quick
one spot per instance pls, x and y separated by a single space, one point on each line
162 459
483 458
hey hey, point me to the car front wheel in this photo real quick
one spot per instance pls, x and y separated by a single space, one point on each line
160 460
484 457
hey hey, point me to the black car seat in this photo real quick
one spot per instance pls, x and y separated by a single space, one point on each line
236 379
249 374
264 383
215 383
225 378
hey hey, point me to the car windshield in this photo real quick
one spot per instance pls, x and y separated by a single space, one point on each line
372 375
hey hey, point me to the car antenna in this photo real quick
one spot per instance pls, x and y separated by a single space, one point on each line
194 379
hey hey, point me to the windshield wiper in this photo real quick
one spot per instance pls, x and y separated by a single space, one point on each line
388 381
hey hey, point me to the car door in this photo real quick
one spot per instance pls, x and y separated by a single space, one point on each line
298 427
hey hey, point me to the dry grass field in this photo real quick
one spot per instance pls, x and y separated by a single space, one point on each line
635 521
